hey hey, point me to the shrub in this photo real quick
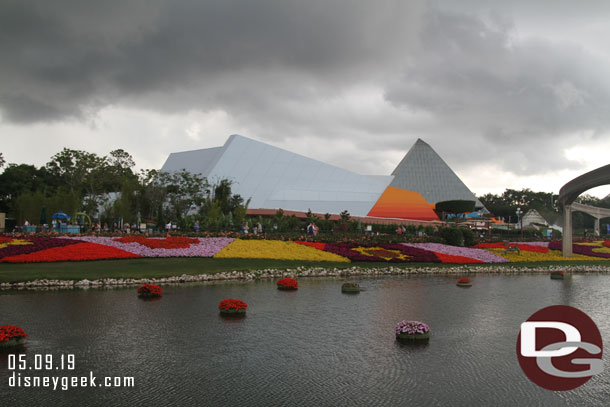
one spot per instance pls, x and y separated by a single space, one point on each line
468 235
452 236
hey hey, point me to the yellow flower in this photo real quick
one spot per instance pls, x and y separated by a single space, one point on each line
274 249
15 242
386 254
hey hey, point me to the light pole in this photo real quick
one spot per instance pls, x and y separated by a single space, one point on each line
519 220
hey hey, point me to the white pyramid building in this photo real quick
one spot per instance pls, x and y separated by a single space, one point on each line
424 171
274 178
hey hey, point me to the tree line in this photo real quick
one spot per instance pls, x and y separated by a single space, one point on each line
505 206
107 188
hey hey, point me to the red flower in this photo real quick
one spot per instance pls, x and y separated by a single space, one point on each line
231 304
287 282
78 251
150 290
8 332
316 245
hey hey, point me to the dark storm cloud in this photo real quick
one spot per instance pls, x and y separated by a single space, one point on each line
75 54
376 75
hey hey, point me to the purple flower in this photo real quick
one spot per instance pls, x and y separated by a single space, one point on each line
479 254
411 327
207 247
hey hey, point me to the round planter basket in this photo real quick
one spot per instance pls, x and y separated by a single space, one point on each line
464 282
287 284
413 337
412 331
150 291
232 312
350 288
12 343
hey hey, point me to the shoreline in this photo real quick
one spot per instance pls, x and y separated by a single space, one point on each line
298 272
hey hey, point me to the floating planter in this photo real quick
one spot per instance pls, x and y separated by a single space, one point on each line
412 331
350 288
464 282
11 335
150 291
557 275
287 284
231 307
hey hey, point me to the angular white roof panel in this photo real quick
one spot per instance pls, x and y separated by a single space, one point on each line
195 161
276 178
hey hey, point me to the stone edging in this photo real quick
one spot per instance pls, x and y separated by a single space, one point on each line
296 273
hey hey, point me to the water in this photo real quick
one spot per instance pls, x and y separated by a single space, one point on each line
312 347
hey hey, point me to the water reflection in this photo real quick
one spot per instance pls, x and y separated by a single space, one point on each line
314 346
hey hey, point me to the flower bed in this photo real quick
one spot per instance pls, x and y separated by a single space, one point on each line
81 248
171 242
11 335
464 282
412 331
385 252
287 284
231 307
592 249
528 247
275 249
315 245
79 251
470 255
150 291
12 247
203 247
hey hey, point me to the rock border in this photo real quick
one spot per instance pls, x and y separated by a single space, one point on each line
298 272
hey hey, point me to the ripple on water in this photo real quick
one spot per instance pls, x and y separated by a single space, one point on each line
314 346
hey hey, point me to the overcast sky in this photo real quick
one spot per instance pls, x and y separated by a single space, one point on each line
511 94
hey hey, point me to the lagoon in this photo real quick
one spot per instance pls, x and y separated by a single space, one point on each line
315 346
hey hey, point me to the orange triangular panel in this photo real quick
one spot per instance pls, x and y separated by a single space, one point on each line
403 204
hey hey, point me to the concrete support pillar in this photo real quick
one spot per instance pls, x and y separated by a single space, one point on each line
596 227
567 231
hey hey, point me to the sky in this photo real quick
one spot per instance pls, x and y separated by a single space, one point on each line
510 94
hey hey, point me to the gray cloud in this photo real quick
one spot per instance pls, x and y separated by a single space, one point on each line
82 55
503 92
370 76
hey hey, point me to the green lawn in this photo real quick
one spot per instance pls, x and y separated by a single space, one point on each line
165 267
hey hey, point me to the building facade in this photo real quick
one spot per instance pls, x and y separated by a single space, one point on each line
274 178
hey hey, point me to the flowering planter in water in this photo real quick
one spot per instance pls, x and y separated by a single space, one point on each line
412 331
287 284
232 307
11 336
350 288
557 275
464 282
150 291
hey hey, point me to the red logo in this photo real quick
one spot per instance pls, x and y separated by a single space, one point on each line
560 348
